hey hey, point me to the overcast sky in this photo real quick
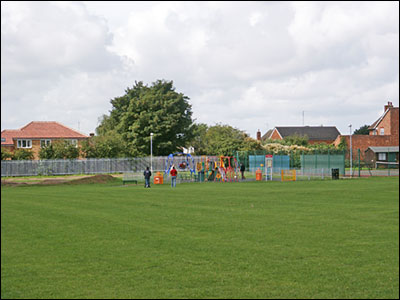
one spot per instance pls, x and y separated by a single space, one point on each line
252 65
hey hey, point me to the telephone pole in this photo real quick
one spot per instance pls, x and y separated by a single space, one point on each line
351 155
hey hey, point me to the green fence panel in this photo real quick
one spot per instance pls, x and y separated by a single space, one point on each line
323 161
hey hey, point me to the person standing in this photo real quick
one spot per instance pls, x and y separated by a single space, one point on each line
242 169
173 173
147 175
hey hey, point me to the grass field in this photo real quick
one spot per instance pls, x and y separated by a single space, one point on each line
311 239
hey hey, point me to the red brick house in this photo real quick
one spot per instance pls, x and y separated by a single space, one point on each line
315 134
37 134
384 132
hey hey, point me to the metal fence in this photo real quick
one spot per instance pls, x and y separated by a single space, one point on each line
323 162
258 162
89 166
160 163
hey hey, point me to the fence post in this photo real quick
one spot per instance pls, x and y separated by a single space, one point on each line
359 165
344 162
329 160
315 158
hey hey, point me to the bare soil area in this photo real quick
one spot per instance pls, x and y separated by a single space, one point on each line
100 178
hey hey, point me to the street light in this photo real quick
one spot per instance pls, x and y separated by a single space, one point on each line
351 155
151 152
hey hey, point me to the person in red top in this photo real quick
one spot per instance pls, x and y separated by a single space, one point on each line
173 173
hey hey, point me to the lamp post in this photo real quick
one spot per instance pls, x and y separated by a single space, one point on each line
151 152
351 155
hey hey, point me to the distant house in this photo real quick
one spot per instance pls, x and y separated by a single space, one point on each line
384 132
384 156
266 135
388 123
37 134
315 134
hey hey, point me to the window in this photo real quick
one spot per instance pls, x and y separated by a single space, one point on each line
374 132
73 142
3 140
24 143
381 156
382 131
44 143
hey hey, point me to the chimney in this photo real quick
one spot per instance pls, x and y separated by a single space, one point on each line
91 134
258 135
388 106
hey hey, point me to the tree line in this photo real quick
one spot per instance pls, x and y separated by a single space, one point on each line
157 109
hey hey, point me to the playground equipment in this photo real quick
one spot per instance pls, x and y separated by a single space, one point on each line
202 168
227 170
288 175
268 166
183 164
209 168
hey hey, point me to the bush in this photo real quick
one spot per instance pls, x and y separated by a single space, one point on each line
5 154
23 154
47 152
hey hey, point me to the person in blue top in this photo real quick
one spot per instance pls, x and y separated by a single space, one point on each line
147 175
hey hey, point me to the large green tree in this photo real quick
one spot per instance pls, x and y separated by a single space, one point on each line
199 142
226 140
156 109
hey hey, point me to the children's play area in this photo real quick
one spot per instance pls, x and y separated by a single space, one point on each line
258 167
206 169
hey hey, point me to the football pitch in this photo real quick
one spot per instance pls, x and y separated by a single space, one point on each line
305 239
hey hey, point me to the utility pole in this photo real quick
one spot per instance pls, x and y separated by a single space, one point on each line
351 155
303 117
151 152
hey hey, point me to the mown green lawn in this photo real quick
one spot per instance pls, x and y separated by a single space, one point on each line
310 239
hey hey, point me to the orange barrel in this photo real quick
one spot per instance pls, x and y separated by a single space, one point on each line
258 175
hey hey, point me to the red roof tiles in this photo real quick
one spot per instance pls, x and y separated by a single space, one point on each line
40 130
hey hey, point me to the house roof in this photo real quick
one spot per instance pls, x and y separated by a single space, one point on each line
313 132
376 123
384 149
8 135
267 134
40 130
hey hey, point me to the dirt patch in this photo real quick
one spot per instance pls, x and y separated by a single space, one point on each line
50 181
10 183
93 179
100 178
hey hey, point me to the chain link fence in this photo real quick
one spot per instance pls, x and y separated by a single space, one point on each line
94 165
321 162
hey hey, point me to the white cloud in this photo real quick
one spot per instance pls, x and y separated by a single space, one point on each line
241 63
56 64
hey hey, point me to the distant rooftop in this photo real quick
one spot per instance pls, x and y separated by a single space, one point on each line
312 132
